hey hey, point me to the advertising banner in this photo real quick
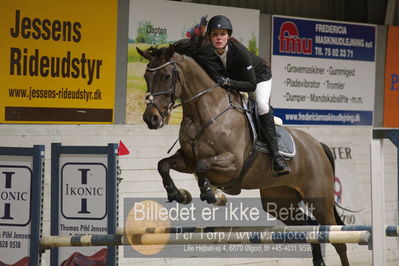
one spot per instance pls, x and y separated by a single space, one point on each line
160 23
21 174
323 71
349 184
58 61
84 201
391 88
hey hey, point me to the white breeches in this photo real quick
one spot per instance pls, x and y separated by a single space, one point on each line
262 96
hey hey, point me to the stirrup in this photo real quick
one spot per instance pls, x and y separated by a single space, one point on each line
280 162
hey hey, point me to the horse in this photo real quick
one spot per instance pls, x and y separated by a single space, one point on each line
215 144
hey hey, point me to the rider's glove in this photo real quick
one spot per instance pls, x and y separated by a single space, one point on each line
223 81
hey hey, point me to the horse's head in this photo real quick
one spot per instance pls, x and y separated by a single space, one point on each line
163 87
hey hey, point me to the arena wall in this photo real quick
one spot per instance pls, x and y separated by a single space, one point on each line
141 179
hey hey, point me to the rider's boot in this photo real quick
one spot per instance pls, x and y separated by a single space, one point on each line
268 135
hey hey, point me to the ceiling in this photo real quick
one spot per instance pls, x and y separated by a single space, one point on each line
379 12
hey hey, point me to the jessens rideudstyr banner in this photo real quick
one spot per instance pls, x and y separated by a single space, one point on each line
58 61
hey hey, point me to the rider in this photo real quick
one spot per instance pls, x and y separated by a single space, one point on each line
231 65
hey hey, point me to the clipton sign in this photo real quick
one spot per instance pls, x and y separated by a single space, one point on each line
323 71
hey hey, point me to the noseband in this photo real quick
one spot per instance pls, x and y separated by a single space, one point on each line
149 97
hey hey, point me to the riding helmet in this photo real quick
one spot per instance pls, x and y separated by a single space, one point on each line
220 22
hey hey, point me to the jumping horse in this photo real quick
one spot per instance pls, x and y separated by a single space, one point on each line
215 143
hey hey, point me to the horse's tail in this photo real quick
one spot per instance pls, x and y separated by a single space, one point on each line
338 219
330 156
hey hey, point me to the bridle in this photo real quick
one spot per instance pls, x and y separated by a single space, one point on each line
149 97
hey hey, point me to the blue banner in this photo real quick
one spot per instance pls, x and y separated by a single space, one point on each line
323 39
324 117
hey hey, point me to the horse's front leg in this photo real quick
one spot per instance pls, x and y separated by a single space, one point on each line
175 162
221 162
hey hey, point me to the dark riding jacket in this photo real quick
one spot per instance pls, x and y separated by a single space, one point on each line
243 68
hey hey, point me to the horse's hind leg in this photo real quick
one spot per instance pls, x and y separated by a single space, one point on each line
323 211
175 162
277 201
223 162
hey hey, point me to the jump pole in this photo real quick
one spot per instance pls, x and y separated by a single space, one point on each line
334 237
390 230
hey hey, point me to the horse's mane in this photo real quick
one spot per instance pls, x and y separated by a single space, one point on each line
190 61
181 48
188 47
197 48
191 46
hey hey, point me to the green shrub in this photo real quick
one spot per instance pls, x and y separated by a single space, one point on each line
252 45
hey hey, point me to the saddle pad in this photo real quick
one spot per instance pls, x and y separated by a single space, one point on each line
286 145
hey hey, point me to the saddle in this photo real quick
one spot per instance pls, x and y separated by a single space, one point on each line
285 141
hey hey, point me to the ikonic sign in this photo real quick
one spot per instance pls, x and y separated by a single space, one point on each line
21 172
83 191
15 187
15 213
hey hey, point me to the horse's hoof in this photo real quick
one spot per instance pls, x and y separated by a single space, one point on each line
186 196
181 196
211 200
208 197
319 262
221 199
175 196
172 198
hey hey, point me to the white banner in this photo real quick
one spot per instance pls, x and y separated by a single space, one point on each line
323 71
159 21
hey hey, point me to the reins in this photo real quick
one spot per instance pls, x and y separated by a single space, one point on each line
230 106
196 96
175 75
